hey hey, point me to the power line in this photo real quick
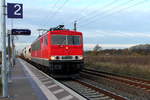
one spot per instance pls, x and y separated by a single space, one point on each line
56 11
109 6
55 4
94 12
117 12
88 6
107 11
52 7
63 5
83 10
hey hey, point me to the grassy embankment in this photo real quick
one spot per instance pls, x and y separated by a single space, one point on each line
135 66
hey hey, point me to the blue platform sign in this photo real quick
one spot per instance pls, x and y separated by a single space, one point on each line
20 32
14 10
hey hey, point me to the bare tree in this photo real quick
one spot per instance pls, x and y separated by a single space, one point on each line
96 49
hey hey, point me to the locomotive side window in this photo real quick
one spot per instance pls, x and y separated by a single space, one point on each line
73 40
45 40
36 46
58 39
33 47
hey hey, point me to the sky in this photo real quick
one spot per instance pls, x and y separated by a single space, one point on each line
110 23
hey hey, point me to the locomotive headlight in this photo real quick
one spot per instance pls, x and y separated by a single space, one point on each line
80 57
55 57
52 57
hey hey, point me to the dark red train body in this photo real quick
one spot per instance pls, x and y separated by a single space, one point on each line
59 51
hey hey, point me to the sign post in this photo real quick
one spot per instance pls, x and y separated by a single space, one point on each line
3 33
14 10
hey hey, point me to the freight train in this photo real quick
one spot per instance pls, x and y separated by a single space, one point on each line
59 51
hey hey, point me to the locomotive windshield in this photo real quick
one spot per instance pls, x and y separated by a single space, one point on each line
66 40
59 39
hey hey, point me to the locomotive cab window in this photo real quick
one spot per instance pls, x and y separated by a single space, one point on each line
58 39
66 40
73 40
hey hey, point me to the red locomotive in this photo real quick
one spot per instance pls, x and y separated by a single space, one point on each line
60 51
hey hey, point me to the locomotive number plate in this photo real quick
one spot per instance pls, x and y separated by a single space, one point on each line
66 57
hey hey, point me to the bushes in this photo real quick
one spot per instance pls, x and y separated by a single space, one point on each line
136 66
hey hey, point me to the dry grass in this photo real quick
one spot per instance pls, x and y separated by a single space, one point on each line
136 66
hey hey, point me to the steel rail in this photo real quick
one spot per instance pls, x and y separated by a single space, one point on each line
90 91
110 94
138 83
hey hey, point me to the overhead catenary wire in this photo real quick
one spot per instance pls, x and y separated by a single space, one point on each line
112 13
108 6
58 9
95 11
88 6
52 7
55 4
105 12
83 10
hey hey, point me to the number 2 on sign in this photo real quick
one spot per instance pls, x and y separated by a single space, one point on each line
18 8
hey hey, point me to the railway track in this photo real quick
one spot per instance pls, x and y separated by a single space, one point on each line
134 82
90 91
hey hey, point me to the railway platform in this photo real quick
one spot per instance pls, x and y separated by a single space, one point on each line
28 83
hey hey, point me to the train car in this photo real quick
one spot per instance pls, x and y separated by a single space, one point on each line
60 51
23 52
26 53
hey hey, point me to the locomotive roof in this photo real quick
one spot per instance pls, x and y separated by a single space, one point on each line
63 31
72 32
